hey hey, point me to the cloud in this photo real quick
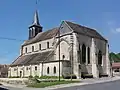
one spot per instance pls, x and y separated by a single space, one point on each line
109 23
113 31
112 25
117 30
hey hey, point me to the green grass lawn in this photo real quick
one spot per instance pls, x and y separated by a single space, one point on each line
46 84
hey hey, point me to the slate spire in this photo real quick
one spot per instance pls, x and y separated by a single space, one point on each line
35 28
36 19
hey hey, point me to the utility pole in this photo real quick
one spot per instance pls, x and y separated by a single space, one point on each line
71 56
59 50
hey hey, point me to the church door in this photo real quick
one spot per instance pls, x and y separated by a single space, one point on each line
79 71
20 73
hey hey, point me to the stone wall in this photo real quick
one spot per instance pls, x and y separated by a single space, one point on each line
15 81
26 71
36 47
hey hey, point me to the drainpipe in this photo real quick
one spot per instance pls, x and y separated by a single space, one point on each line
23 71
30 70
42 70
17 71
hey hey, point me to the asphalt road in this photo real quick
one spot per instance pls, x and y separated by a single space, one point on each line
3 88
114 85
8 88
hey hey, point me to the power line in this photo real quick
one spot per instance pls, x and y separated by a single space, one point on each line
13 39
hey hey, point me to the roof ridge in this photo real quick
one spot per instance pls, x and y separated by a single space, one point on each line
41 36
93 32
82 25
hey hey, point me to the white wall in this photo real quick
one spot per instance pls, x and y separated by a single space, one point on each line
51 68
36 47
38 72
64 50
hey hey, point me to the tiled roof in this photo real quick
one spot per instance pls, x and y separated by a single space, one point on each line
39 57
84 30
33 58
76 28
115 65
42 36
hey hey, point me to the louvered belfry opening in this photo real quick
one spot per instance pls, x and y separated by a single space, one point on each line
35 28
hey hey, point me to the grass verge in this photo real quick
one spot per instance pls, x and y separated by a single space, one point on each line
46 84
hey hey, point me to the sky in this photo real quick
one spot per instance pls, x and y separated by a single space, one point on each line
17 15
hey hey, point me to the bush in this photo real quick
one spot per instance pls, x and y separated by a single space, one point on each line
103 75
9 77
69 76
49 77
83 75
14 76
30 76
36 77
46 84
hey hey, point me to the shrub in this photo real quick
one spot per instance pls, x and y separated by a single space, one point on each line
14 76
9 77
49 77
103 75
46 84
69 76
36 76
84 75
30 76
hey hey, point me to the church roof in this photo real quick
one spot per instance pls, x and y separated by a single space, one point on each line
39 57
33 58
76 28
42 36
84 30
36 19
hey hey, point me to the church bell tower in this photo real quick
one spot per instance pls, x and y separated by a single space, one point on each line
35 28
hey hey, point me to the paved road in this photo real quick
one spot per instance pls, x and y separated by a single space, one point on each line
8 88
15 88
114 85
3 88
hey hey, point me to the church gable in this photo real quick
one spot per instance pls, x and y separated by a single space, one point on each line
64 28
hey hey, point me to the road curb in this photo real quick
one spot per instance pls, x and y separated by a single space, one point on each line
81 84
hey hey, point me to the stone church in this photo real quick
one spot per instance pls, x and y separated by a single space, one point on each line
70 48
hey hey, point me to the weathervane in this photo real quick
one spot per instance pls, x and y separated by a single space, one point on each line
36 4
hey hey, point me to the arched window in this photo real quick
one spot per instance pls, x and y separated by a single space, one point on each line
47 44
35 68
83 54
99 57
39 46
79 56
79 47
54 70
32 48
26 50
88 53
26 68
48 70
63 56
